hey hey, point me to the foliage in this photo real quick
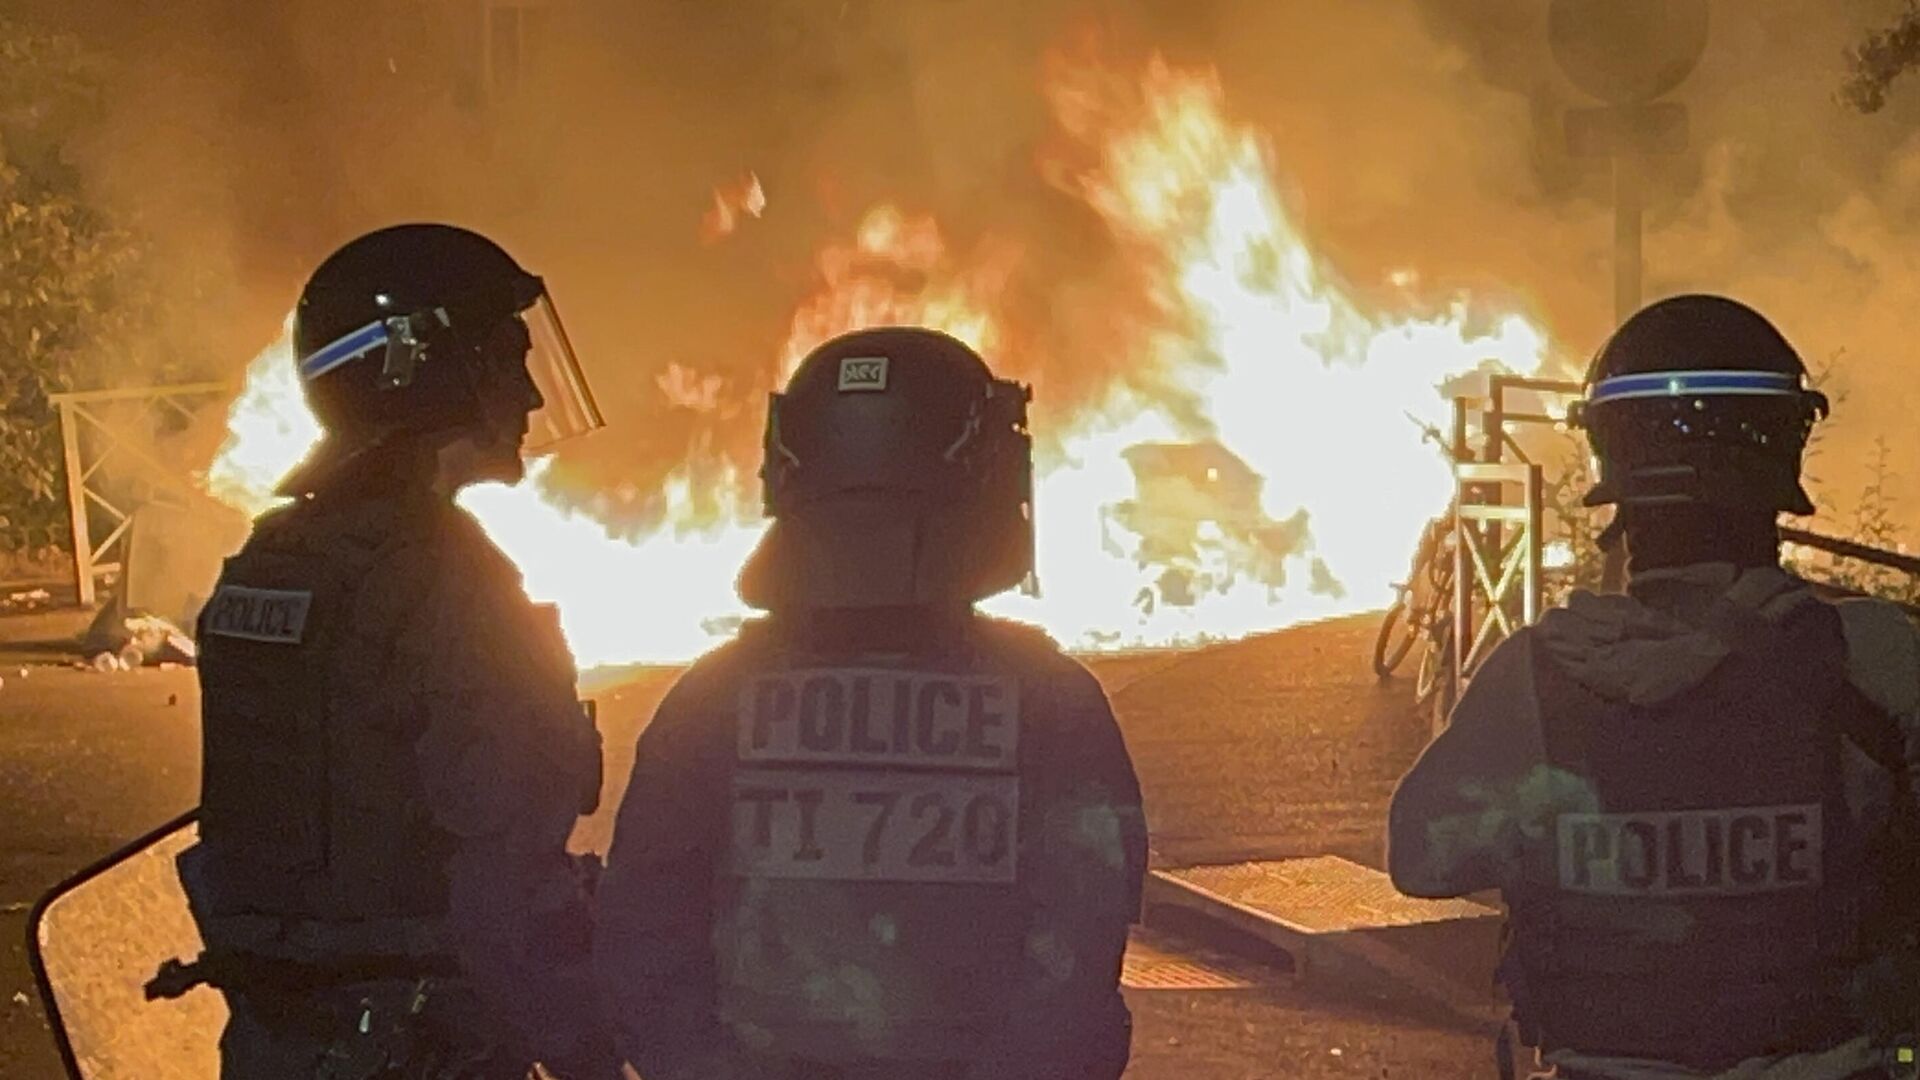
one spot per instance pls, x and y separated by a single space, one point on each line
1883 57
70 280
1873 525
1571 524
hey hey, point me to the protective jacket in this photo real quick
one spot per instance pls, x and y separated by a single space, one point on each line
1696 800
393 757
915 852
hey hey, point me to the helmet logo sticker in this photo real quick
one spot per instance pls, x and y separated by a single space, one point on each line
863 373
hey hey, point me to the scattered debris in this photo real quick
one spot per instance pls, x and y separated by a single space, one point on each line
20 997
173 699
127 641
27 600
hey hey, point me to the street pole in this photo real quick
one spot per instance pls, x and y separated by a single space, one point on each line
1628 54
1629 199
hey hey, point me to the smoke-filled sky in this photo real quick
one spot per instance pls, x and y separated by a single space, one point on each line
253 138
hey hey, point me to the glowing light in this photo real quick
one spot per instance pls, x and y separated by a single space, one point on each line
1557 555
1247 465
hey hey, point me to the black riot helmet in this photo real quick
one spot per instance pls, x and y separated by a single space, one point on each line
898 472
417 332
1698 400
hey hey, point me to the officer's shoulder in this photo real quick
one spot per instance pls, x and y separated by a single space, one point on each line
1019 641
269 524
1038 659
398 518
1883 652
728 661
429 531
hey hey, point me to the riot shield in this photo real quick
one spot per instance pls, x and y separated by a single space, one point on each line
96 942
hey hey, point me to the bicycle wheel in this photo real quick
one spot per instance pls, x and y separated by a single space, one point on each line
1394 642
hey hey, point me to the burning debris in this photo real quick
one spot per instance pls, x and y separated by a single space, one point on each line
1198 514
1215 323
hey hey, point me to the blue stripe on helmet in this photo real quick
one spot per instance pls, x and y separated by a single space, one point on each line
344 349
1695 384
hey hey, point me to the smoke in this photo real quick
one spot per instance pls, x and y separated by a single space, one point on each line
251 139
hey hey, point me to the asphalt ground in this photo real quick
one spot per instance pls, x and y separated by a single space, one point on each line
1279 745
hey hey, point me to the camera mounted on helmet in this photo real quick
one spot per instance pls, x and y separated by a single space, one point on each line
1698 399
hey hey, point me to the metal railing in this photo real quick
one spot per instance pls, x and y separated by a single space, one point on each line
1499 531
127 437
1497 560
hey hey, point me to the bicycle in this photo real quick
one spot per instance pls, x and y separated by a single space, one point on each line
1422 611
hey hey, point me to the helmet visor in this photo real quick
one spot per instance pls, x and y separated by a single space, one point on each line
567 407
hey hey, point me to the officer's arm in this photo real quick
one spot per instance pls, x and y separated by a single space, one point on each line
1082 876
1455 819
504 756
653 957
1883 661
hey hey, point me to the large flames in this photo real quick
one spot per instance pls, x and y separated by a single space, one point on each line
1246 463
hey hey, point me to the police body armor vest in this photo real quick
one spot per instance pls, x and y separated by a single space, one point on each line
867 908
311 806
1711 909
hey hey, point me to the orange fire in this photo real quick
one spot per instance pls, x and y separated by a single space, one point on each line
898 271
1246 465
743 198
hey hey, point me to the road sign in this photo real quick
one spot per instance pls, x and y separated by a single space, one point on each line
1641 130
1627 52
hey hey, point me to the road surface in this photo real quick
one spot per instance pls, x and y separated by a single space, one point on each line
1279 745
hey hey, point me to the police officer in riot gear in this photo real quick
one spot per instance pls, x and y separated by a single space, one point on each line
393 756
1696 797
879 835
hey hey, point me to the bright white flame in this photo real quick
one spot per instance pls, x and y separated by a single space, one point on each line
618 601
269 428
667 597
1557 555
1293 378
1255 469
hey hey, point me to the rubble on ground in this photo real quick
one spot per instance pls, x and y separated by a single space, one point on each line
136 639
26 600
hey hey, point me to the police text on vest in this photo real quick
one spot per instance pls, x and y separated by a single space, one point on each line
1691 852
882 717
277 616
872 825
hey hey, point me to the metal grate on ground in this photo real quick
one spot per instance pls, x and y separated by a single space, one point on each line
1158 962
